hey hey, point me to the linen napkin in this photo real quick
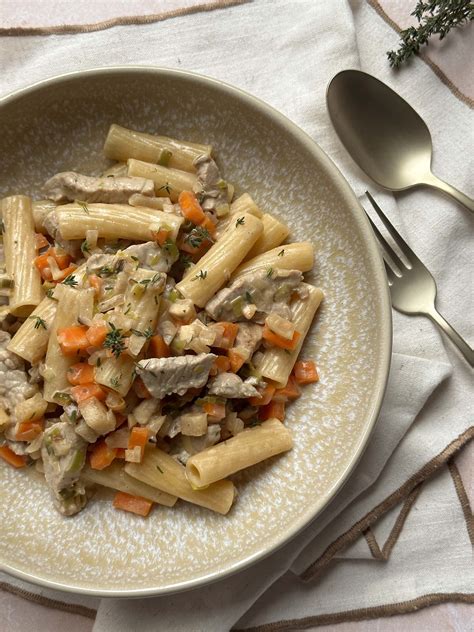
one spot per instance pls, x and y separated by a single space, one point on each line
286 53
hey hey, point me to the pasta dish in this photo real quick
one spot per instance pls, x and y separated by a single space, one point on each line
151 326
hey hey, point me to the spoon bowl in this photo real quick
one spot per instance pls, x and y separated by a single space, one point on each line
383 134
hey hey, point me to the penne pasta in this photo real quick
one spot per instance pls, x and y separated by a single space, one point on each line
113 221
114 477
160 470
245 204
117 170
122 144
71 303
276 364
245 449
31 340
137 199
168 182
299 256
216 266
20 251
274 234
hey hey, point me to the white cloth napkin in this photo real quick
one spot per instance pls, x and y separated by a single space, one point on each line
286 53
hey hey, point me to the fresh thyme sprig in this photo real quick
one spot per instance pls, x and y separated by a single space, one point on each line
114 341
40 322
70 280
202 274
435 17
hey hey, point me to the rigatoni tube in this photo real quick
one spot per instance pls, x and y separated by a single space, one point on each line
122 144
20 252
168 182
160 470
214 269
276 363
274 234
31 339
113 221
297 256
245 449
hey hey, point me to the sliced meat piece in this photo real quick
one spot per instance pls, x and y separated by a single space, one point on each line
63 453
163 376
69 186
248 339
14 381
269 290
51 225
231 386
213 187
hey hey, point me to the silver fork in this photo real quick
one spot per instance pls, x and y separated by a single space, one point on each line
412 286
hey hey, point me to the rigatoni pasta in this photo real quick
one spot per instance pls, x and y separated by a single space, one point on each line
20 251
156 341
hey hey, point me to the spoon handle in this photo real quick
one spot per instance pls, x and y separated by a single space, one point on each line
453 335
463 199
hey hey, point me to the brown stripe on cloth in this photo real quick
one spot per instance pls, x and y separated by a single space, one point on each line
463 499
72 608
70 29
429 469
384 553
436 69
361 614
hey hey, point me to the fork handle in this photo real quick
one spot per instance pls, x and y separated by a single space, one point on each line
461 197
453 335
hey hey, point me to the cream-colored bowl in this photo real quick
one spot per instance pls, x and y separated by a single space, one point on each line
60 124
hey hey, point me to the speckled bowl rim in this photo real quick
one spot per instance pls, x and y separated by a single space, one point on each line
385 325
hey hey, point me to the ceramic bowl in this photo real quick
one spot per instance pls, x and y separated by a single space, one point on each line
60 125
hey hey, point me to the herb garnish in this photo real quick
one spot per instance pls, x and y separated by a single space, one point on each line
166 187
115 382
159 469
281 253
154 279
83 205
39 322
202 274
269 272
114 341
435 17
197 236
70 280
85 247
240 221
148 333
248 297
50 292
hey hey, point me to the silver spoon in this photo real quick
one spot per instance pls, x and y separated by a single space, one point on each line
384 134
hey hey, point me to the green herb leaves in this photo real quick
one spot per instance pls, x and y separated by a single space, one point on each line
114 341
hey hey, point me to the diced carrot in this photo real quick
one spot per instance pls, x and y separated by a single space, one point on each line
158 347
227 336
209 225
140 389
61 257
29 430
161 235
190 207
279 341
216 410
134 504
42 265
289 392
10 457
41 241
65 272
102 456
271 410
220 365
73 339
96 334
266 396
138 439
86 391
305 372
80 373
95 282
235 359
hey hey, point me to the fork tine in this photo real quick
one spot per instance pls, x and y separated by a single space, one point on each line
398 239
386 248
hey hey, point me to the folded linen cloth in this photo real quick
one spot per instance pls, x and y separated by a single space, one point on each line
286 53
